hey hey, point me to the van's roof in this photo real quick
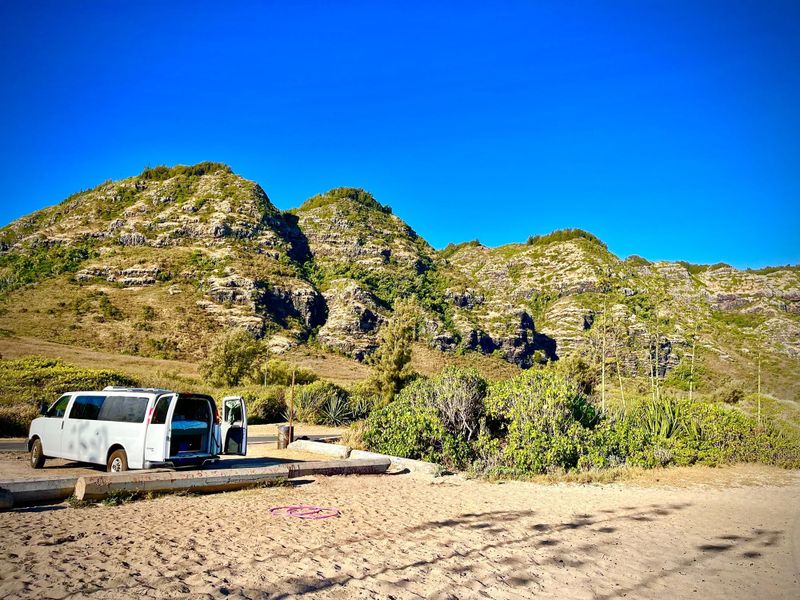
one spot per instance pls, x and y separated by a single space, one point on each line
122 388
139 390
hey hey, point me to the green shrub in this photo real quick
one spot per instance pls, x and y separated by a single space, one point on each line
232 358
162 172
730 393
21 268
409 428
313 402
457 396
15 419
363 398
265 405
27 382
279 372
679 432
547 423
33 379
336 411
563 235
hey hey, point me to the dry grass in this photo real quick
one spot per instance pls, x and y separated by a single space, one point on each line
427 361
136 366
328 365
675 477
64 312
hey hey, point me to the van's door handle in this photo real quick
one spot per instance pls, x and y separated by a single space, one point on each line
62 424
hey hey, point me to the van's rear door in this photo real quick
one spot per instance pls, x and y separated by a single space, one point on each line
156 441
234 426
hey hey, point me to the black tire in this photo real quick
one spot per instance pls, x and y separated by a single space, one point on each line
37 454
117 462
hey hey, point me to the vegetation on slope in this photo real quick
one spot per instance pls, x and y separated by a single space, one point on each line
565 235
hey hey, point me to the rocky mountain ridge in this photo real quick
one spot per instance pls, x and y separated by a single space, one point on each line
156 263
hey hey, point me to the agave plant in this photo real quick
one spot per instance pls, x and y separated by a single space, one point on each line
336 411
662 418
360 407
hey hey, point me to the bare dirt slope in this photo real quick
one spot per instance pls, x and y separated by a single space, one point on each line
734 536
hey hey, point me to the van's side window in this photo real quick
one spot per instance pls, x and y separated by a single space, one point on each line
59 408
123 409
86 407
161 410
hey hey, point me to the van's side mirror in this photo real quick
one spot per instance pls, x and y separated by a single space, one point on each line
43 407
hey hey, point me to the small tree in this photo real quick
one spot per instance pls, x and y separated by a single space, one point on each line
458 396
232 358
393 355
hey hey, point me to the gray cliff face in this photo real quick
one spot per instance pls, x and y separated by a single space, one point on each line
354 317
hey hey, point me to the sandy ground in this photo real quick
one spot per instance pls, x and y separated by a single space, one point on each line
735 535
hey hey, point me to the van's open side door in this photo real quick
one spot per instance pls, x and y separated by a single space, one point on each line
156 440
234 426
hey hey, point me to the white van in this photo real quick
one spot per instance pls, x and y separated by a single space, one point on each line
138 428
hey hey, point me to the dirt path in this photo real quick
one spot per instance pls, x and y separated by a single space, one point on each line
405 536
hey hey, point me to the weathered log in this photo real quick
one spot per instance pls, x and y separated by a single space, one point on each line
334 450
103 486
370 466
6 499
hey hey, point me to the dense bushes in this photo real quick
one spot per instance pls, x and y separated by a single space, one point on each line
21 268
15 419
408 427
545 421
279 372
541 422
26 382
564 235
265 404
431 419
162 172
232 358
33 379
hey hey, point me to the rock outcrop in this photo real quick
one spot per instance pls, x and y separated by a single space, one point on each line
354 316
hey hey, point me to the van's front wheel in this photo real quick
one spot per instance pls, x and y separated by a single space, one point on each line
117 462
37 454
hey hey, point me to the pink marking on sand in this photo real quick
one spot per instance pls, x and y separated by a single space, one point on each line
303 511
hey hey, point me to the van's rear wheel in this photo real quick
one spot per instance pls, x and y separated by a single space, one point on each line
37 454
117 462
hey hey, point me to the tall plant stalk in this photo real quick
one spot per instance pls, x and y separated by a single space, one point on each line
657 364
691 370
619 376
603 360
758 393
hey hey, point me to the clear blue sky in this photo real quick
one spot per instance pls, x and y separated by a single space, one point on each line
671 129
